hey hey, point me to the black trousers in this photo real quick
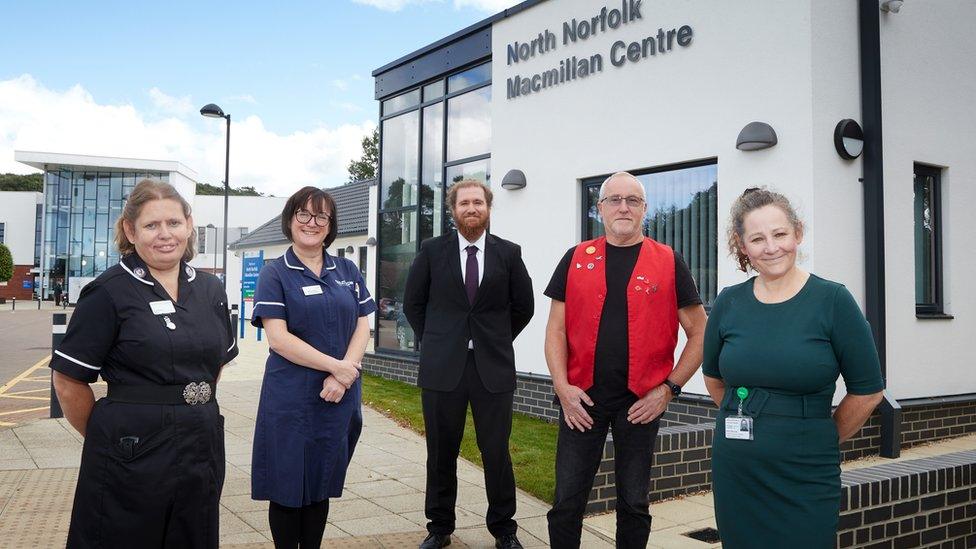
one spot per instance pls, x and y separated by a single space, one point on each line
578 457
444 417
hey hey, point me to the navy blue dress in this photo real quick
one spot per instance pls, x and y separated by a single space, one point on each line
303 444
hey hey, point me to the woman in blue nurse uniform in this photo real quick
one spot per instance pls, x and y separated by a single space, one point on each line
314 308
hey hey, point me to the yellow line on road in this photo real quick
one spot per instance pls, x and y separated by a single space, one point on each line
5 424
41 379
23 375
25 410
22 397
27 392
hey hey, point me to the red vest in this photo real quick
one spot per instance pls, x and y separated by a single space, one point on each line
652 314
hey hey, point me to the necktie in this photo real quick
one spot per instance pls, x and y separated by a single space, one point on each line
471 273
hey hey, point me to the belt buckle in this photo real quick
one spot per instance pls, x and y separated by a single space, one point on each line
197 393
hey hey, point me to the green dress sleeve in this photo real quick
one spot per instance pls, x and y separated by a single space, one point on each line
712 346
854 347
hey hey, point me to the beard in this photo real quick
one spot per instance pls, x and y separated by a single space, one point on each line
471 227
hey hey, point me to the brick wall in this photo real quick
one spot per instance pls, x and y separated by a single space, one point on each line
15 287
917 503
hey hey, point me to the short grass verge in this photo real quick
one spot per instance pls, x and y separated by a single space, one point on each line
533 442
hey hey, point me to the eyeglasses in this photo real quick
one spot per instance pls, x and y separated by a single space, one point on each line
615 200
321 220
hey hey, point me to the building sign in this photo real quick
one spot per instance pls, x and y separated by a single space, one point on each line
579 30
253 261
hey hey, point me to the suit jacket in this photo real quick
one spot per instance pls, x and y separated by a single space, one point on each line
436 305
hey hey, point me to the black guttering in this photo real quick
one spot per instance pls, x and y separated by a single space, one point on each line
872 165
483 25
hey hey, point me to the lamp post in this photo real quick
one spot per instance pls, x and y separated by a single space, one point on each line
211 226
211 110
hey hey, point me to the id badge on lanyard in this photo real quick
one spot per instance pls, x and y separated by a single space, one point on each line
739 427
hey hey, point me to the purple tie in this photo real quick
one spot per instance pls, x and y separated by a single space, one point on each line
471 273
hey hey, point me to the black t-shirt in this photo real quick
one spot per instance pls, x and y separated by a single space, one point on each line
610 364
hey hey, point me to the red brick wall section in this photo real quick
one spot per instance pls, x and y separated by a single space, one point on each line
15 287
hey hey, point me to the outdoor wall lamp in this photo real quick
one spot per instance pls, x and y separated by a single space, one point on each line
513 180
848 139
371 241
891 5
350 249
756 136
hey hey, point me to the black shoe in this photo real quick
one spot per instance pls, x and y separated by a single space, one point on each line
508 541
436 541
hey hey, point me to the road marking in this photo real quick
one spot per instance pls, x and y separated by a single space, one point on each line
41 379
24 374
25 410
5 424
27 392
22 397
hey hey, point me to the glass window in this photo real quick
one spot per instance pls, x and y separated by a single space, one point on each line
399 239
479 169
469 124
682 212
400 148
2 227
432 189
433 91
928 240
400 102
468 78
362 261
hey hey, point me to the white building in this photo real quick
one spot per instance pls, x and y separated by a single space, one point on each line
20 222
83 196
570 91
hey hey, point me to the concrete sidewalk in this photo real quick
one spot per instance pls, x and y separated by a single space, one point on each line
382 504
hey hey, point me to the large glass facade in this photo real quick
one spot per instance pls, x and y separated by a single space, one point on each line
429 140
80 212
682 212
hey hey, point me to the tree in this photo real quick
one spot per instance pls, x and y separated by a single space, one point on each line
206 189
365 167
6 264
16 182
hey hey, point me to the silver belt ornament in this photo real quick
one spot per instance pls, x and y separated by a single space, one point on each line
197 393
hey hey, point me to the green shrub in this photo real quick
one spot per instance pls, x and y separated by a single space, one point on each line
6 264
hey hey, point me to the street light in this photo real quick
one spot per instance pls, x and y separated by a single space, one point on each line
211 226
213 111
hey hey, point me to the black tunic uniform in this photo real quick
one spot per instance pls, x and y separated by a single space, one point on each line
151 474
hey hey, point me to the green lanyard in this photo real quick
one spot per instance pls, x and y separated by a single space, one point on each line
743 394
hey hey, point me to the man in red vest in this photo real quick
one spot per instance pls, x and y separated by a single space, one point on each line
617 302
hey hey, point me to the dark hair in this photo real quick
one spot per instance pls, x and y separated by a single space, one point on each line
321 202
145 191
464 184
752 199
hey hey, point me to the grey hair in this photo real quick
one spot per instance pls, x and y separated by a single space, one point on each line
750 200
603 186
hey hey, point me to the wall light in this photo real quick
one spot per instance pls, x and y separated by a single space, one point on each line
350 249
848 139
513 180
756 136
892 6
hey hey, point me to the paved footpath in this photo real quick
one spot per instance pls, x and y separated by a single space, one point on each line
382 504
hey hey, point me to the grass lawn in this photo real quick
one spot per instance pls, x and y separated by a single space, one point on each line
533 442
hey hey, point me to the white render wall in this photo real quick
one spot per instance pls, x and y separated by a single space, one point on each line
793 65
18 213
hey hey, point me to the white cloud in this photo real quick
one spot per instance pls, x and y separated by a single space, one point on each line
492 6
36 118
343 83
243 98
169 105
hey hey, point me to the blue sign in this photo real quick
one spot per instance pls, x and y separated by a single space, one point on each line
253 261
28 284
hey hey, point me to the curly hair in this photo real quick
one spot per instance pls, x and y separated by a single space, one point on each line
750 200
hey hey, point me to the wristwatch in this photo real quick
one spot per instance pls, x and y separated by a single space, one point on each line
675 388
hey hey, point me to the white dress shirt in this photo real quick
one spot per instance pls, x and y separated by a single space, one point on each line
480 255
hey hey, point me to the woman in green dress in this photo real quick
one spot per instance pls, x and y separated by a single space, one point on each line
775 345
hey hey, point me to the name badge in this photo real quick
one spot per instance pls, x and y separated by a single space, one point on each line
163 307
738 428
312 290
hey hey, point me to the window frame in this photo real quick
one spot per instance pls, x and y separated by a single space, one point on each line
936 308
414 352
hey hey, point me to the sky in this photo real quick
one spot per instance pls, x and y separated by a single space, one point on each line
127 79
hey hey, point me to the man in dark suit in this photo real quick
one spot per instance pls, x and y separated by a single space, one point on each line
467 296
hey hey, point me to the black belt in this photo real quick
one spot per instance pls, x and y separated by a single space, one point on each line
761 401
190 394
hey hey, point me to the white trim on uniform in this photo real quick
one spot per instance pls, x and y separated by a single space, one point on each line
232 345
289 265
124 266
333 263
191 272
269 303
78 362
370 298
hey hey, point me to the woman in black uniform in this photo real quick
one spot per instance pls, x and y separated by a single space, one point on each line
158 332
